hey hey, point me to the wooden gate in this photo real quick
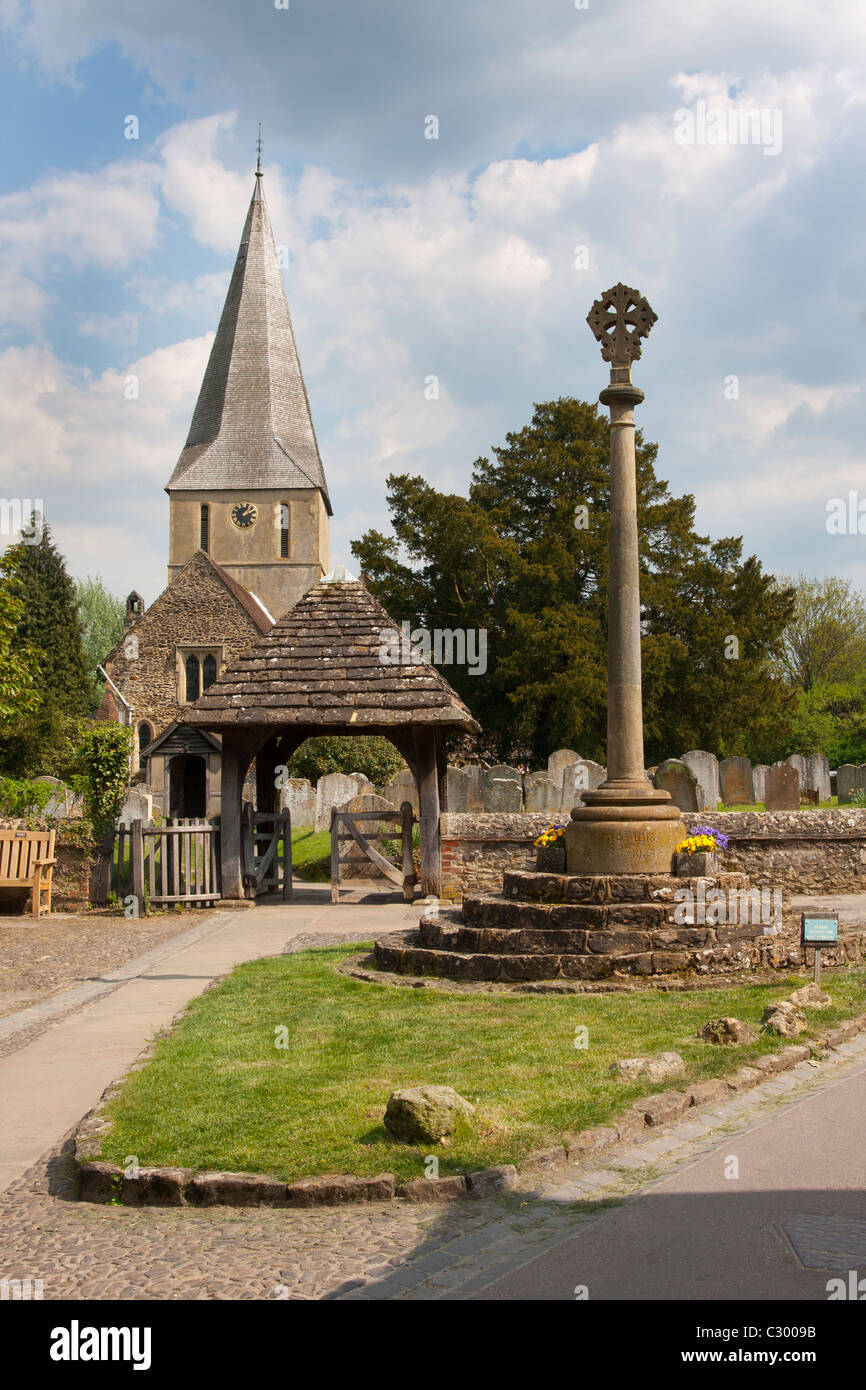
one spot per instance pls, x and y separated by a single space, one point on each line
173 863
267 839
344 826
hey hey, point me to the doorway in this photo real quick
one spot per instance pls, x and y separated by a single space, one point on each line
187 786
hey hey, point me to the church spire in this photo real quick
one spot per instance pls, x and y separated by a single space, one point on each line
252 427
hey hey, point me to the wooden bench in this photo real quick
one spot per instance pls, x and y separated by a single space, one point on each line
26 861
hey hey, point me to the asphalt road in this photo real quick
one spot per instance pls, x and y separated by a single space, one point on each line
794 1218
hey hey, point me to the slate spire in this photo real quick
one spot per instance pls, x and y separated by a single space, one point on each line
252 427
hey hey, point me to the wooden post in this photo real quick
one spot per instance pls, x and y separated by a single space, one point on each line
335 855
287 857
266 764
406 821
235 761
249 847
427 775
137 857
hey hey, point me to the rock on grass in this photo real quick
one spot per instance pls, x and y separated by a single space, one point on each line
425 1114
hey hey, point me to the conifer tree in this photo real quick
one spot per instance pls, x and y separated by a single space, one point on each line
48 629
525 556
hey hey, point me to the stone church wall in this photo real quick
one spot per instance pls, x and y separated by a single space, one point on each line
196 611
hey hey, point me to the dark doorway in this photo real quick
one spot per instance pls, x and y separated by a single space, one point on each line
187 786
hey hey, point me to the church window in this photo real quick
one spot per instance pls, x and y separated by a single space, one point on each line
205 528
284 530
193 678
208 671
145 737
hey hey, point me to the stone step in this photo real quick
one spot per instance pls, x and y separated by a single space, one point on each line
497 910
624 888
456 936
403 953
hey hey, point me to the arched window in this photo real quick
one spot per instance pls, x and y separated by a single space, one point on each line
284 530
208 671
204 537
193 678
145 737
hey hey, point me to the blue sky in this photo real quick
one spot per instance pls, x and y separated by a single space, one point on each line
454 257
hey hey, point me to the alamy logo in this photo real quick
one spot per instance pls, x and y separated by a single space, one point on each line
77 1343
731 125
24 516
445 646
736 907
20 1289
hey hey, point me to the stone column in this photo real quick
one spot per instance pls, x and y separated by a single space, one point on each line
625 826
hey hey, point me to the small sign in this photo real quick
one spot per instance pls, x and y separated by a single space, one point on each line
819 931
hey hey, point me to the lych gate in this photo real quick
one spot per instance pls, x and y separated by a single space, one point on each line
327 668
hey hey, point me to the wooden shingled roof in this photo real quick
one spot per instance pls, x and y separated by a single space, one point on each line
321 665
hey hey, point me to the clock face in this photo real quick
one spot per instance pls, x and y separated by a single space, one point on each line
243 515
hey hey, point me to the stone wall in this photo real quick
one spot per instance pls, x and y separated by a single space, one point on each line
478 848
806 851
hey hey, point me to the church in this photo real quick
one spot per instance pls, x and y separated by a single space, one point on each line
248 532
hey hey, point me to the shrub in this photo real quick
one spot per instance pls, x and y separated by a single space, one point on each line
376 757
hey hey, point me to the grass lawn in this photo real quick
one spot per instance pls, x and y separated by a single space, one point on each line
311 855
219 1094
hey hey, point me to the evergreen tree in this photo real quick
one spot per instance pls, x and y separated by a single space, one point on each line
49 629
526 557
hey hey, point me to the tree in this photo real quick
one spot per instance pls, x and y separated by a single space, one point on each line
19 680
525 556
376 757
824 642
101 614
48 635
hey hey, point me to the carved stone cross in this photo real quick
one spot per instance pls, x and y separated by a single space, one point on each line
619 319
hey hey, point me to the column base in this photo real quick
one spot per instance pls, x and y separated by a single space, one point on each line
638 837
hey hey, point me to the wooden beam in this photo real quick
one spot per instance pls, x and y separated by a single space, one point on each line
427 776
238 751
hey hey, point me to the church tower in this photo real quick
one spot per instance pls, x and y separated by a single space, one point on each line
249 487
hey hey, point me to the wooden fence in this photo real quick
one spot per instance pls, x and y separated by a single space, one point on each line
173 863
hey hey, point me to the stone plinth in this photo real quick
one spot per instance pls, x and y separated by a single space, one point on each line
572 927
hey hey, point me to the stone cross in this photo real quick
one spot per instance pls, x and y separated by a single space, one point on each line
619 319
624 826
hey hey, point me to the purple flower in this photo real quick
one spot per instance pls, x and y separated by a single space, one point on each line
720 839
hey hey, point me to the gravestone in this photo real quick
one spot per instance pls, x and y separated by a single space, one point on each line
584 775
680 783
502 794
759 781
849 780
541 793
402 788
782 785
558 762
298 797
458 789
814 770
705 766
735 779
335 789
353 861
137 805
493 799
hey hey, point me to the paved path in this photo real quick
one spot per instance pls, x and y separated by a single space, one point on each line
76 1043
